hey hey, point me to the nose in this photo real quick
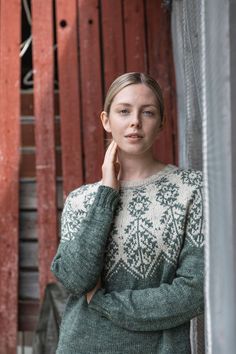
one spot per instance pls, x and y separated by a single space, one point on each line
135 120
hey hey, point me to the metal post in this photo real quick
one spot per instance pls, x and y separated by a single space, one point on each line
219 166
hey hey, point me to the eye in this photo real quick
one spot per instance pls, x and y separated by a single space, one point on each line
124 111
148 113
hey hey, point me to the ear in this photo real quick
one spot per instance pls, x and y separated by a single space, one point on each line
105 121
162 124
160 129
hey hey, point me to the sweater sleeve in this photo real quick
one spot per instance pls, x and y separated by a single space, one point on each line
79 258
168 305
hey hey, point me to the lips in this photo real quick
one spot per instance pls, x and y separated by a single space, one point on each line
133 136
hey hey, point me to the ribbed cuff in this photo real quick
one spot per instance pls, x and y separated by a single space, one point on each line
107 197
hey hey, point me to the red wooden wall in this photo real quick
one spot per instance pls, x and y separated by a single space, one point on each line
62 139
9 171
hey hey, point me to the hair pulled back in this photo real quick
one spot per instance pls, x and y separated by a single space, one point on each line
133 78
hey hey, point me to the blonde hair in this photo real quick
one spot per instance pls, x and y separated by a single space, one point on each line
134 78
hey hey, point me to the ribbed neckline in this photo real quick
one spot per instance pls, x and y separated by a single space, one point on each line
143 182
147 180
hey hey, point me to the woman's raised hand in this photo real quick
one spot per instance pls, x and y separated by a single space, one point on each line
90 294
111 167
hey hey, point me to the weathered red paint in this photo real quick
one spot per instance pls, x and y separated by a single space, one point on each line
9 171
113 40
91 88
161 68
42 31
70 110
135 46
112 43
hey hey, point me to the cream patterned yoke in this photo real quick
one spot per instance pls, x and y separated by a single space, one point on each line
146 240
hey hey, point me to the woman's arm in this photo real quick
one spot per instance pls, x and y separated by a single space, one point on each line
79 262
169 305
79 258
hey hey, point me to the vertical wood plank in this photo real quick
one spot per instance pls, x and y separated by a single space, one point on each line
112 43
113 40
69 94
135 44
10 15
42 30
91 88
160 63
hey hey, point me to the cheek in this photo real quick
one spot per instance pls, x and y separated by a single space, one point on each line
154 132
117 125
154 127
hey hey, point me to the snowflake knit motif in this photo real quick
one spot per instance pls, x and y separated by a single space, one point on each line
148 239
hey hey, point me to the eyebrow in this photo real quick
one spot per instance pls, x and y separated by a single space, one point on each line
130 105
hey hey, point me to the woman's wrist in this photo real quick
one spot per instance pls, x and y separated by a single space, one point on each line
109 184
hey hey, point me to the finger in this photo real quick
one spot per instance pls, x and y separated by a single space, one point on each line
114 153
112 150
110 146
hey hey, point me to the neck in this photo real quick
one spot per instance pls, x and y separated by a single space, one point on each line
133 167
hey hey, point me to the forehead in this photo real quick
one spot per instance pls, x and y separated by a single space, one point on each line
135 94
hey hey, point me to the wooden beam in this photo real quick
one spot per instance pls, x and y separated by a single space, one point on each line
43 65
113 43
113 40
70 106
91 88
161 67
135 44
10 17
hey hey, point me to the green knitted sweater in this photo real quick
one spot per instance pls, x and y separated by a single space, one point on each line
146 241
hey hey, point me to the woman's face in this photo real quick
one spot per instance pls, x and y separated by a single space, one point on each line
134 110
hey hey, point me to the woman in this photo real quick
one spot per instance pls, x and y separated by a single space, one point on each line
131 250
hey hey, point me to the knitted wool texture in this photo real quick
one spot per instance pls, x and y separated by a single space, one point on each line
146 241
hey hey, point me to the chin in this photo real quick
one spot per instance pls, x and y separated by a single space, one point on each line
135 150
